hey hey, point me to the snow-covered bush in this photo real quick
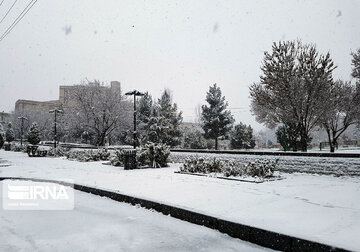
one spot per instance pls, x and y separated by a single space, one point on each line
57 152
117 159
157 154
89 155
153 155
260 168
202 165
18 148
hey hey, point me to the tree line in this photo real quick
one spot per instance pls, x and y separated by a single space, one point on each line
296 95
96 115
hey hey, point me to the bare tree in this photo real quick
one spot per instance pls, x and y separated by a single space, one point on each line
293 87
343 110
97 110
356 65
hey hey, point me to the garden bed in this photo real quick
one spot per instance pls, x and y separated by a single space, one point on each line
240 179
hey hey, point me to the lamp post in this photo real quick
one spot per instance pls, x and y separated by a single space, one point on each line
134 93
55 111
22 118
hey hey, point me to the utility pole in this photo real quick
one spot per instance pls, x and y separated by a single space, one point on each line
134 93
55 111
22 118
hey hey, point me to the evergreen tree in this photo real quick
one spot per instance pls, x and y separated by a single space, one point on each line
168 120
144 108
242 137
159 122
34 134
144 113
216 120
9 134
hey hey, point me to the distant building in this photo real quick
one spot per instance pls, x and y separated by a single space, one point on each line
4 118
28 105
65 99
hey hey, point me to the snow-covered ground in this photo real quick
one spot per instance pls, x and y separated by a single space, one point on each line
100 224
320 165
322 208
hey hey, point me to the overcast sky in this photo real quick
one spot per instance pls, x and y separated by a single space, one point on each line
151 45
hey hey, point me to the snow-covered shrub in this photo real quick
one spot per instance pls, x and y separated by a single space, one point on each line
231 168
18 148
89 155
196 164
142 157
57 152
153 155
261 168
117 159
157 154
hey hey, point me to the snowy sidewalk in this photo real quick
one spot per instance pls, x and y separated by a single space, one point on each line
100 224
324 209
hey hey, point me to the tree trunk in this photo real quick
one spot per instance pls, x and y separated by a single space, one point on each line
332 147
216 143
303 143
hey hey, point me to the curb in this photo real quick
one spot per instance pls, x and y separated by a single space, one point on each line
251 234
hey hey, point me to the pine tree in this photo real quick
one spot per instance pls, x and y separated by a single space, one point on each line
9 134
169 120
159 122
216 120
144 108
144 113
242 137
34 134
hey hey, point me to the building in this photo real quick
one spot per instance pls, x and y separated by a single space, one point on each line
4 118
28 105
65 99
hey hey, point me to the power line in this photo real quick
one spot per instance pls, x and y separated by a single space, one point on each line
17 20
8 11
2 2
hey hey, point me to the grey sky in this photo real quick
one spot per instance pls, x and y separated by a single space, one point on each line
151 45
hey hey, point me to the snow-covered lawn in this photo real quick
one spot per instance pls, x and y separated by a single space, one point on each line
322 208
100 224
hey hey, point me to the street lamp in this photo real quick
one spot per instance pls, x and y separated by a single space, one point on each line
55 111
134 93
22 118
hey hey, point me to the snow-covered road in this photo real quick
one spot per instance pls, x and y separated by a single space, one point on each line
321 208
100 224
